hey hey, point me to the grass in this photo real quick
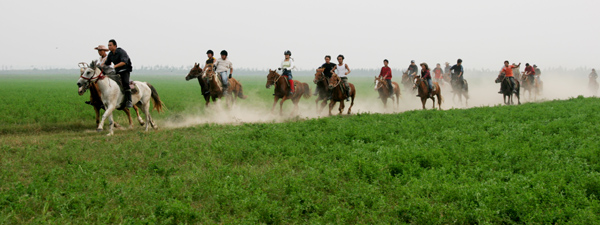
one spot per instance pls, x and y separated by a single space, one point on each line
534 163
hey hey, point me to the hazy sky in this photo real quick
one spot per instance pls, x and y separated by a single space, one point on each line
61 33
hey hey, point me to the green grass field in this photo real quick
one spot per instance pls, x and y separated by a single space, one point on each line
533 163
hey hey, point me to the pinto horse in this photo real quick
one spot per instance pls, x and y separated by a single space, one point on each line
506 89
322 83
112 96
381 86
215 91
423 91
282 89
338 94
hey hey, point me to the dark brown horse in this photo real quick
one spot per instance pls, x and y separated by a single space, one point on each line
282 89
507 91
381 86
215 91
338 94
322 83
407 82
423 91
460 90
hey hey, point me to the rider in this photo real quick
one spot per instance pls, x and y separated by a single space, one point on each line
508 71
426 75
438 73
457 72
412 70
530 72
102 52
538 73
342 70
122 65
447 70
287 65
223 65
327 67
386 73
593 75
210 61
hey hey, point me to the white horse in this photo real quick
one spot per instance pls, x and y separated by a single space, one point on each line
112 96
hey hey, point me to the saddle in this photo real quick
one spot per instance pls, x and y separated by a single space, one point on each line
115 77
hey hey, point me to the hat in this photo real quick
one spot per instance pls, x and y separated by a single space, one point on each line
101 47
412 61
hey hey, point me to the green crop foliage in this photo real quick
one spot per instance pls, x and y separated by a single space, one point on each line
534 163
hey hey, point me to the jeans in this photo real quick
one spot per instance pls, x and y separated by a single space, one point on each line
430 84
287 73
390 87
345 83
224 79
512 82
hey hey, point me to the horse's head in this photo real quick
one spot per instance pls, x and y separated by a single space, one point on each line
378 83
319 75
195 72
271 78
500 78
84 79
334 80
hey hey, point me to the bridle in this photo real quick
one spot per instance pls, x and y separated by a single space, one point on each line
276 79
100 76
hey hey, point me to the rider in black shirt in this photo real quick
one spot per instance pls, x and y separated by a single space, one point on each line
122 64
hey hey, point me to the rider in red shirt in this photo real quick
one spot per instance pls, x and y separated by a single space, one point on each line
530 72
437 71
386 73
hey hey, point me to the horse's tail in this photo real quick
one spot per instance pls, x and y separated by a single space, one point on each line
306 88
241 91
158 104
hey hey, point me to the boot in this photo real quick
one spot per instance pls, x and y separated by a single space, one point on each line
347 95
126 100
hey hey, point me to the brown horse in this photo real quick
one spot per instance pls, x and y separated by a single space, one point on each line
211 87
282 89
460 88
381 86
339 95
529 86
423 91
322 83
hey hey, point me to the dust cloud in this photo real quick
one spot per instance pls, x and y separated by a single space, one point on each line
482 92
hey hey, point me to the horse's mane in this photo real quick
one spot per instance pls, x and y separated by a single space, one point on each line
94 64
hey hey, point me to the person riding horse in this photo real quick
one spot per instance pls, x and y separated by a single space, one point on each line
287 65
529 74
210 61
508 71
328 68
223 65
122 65
412 70
342 70
437 71
426 75
386 73
458 72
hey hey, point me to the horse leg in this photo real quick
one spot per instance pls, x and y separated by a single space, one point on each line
275 100
97 109
331 104
342 106
137 114
281 105
110 125
106 114
351 103
323 104
423 100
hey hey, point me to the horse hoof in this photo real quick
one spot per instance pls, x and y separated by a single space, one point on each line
109 134
99 130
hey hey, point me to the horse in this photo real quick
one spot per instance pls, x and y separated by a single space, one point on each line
529 86
235 88
460 90
96 101
407 82
322 83
506 89
381 86
112 96
338 94
282 88
423 91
